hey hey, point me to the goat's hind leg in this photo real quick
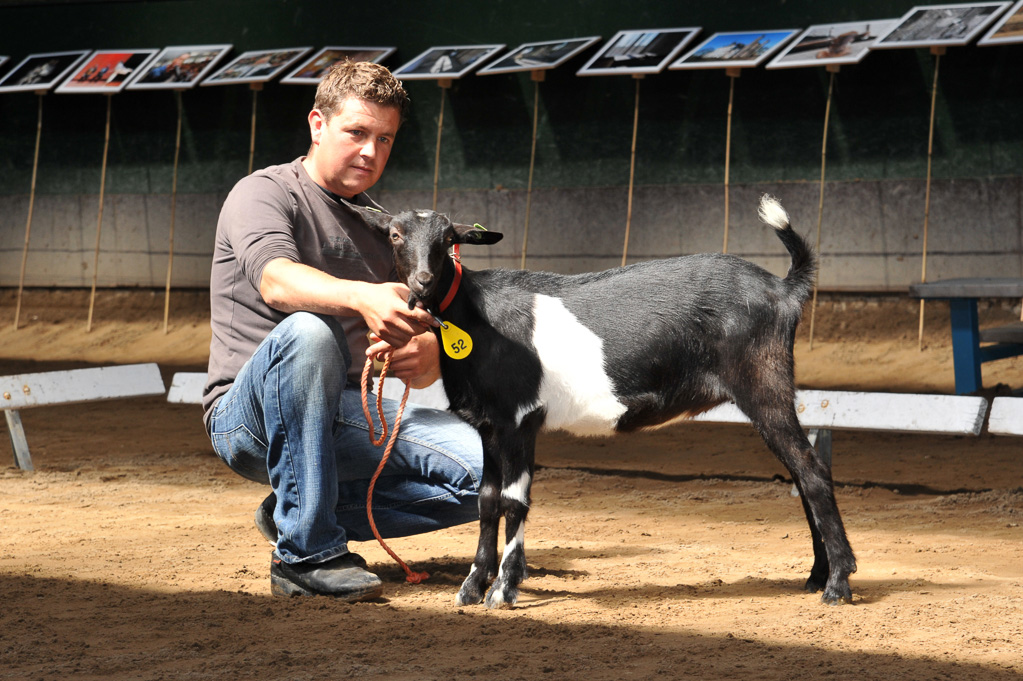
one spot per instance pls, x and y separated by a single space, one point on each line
484 565
833 556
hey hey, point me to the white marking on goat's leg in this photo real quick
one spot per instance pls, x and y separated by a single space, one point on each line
505 591
519 490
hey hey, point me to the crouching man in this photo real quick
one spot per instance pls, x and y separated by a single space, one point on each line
298 282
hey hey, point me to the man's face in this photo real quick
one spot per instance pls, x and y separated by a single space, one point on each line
350 151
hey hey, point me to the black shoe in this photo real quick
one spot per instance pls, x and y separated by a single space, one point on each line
344 577
265 519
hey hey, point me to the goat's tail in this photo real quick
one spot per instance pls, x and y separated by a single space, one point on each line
804 260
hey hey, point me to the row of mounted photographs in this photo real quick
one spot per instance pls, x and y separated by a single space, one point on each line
635 52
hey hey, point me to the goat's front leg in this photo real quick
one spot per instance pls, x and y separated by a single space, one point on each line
484 565
518 479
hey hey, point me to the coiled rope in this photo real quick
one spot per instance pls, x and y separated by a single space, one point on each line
410 575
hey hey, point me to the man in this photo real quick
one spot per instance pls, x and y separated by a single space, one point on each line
298 282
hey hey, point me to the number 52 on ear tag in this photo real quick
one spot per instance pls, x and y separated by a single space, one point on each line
457 343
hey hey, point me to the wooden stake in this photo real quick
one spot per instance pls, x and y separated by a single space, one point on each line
537 76
445 84
99 217
31 207
937 51
255 87
732 73
632 169
173 208
832 69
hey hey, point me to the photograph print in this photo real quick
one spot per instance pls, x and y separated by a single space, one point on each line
927 25
452 61
41 71
734 49
641 51
106 71
257 66
1008 29
179 67
846 43
539 56
312 70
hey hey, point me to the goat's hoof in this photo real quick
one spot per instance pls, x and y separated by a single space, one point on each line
502 597
815 583
836 595
468 596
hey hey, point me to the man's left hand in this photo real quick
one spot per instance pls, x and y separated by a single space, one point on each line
417 362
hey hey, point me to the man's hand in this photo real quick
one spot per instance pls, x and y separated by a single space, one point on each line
385 309
417 362
289 286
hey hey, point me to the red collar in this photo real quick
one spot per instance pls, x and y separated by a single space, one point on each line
453 291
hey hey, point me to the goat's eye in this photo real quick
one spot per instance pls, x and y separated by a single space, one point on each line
395 238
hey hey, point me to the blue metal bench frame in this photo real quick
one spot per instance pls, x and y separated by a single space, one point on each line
962 296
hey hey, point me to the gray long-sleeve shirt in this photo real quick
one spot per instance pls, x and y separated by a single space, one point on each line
279 212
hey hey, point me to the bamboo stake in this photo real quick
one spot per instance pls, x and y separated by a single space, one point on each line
937 51
832 69
99 217
255 87
444 83
173 209
632 168
31 207
732 74
537 76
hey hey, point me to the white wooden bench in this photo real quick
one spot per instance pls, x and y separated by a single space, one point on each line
27 391
187 386
1006 416
820 411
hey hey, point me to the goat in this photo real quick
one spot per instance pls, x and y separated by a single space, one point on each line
628 348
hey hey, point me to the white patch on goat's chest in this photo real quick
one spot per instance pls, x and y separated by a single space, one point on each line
576 390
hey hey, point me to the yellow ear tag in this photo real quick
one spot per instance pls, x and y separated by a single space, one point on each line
457 343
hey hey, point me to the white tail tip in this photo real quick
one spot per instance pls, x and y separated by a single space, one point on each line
772 213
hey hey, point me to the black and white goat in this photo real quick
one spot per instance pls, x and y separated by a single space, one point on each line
628 348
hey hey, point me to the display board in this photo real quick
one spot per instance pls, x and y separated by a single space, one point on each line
743 49
38 72
312 70
835 44
544 55
106 71
639 52
940 25
257 66
179 67
447 62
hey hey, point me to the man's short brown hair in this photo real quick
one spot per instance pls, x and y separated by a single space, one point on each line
359 80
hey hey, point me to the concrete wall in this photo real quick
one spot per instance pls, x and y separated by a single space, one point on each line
871 236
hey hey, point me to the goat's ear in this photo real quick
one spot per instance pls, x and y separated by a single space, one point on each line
473 234
376 219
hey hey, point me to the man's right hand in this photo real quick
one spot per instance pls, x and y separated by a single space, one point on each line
384 307
289 286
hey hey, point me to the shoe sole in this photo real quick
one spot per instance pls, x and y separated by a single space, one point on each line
283 587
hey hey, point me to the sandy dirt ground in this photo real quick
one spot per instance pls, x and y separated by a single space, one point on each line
130 552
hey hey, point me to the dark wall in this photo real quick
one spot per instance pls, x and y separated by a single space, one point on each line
880 112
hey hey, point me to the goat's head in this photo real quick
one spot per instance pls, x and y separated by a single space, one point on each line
421 239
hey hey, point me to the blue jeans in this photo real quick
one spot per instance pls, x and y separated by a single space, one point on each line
291 420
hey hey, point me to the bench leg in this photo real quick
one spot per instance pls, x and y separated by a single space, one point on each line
820 438
966 357
22 459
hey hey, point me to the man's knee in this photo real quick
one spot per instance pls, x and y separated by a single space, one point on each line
316 339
